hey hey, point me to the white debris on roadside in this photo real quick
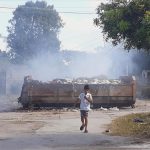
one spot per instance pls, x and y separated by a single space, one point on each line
74 110
107 109
114 108
65 109
103 109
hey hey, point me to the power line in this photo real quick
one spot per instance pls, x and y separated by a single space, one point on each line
7 7
62 12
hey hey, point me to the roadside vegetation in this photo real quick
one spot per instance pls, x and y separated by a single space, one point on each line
136 125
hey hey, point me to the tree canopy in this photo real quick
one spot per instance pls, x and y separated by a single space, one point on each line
33 29
127 22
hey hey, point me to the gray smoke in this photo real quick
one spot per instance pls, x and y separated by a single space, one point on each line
110 62
8 103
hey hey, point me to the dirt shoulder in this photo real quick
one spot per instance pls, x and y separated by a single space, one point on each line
60 130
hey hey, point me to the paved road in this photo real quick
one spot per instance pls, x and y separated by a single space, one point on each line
71 141
51 130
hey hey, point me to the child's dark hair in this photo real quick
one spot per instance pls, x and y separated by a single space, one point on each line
86 87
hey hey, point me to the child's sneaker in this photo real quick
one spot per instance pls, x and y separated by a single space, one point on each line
82 127
86 131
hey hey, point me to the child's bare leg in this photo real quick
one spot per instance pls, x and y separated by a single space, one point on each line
83 123
86 122
82 120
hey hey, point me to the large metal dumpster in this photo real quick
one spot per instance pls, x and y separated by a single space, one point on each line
63 94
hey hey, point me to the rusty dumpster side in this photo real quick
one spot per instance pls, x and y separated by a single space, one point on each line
41 94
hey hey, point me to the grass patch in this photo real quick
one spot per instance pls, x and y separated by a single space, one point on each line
127 126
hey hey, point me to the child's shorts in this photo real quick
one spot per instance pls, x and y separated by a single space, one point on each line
84 113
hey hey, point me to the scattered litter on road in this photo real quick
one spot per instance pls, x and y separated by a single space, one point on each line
107 131
65 109
102 108
74 110
114 109
138 120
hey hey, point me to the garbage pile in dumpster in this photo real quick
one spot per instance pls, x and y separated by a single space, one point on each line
86 81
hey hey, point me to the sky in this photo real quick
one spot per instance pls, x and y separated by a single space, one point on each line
79 32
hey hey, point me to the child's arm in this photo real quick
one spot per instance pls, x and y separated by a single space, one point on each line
89 98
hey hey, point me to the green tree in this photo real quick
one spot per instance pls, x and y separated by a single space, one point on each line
33 29
126 21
